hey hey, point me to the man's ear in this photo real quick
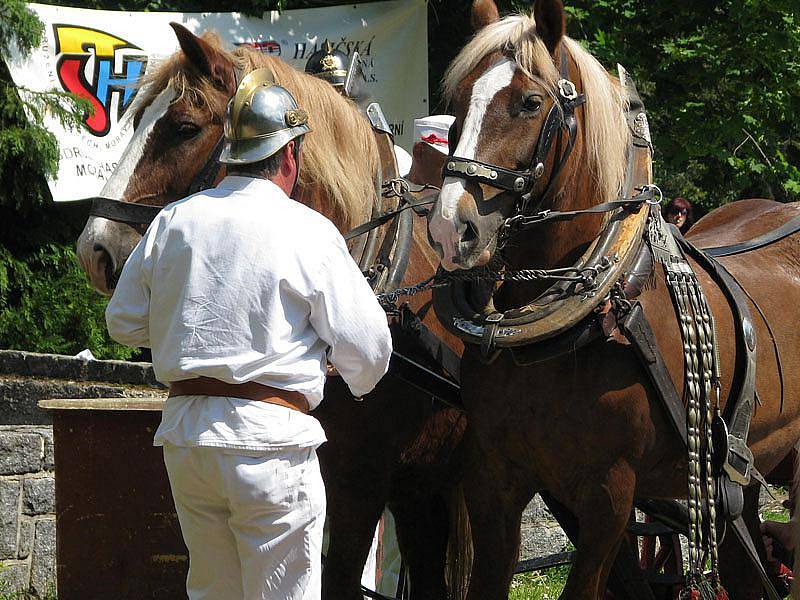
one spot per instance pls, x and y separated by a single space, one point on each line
210 61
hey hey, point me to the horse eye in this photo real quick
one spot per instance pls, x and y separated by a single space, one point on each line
187 129
532 103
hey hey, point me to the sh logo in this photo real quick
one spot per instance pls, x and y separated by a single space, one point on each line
101 68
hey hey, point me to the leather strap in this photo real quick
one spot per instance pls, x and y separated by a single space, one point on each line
643 341
739 409
208 173
559 119
124 212
522 221
386 217
785 230
143 214
249 390
743 535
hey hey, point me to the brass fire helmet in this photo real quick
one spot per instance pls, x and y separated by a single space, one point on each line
261 118
329 64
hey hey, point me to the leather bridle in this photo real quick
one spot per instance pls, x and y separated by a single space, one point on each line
560 119
143 214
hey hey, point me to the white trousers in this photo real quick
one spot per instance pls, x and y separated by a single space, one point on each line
252 521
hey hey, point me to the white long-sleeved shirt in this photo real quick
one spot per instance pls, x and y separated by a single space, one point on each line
241 283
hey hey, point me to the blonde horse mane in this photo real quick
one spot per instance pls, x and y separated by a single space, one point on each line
340 155
605 129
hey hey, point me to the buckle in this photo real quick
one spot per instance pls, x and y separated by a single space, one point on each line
738 461
567 89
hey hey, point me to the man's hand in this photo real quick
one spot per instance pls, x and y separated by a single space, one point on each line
783 534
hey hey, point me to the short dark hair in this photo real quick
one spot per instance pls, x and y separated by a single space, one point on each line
268 166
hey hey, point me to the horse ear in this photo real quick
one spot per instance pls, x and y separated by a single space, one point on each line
484 12
210 61
551 22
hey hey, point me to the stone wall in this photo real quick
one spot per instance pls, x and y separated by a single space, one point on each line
27 476
541 533
27 509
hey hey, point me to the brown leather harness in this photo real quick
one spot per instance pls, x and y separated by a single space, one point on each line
539 332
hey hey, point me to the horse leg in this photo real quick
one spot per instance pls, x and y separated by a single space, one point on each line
495 504
735 569
602 507
422 530
353 513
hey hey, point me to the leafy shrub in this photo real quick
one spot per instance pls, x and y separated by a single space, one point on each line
46 305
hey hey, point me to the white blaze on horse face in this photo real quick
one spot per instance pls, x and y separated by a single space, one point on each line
100 232
118 182
443 227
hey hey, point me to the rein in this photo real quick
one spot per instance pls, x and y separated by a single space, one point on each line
402 189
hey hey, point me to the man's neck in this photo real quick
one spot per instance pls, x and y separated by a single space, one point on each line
282 182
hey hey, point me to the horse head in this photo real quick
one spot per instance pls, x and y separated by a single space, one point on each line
511 88
178 126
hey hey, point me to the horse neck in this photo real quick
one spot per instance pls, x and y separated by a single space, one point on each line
556 244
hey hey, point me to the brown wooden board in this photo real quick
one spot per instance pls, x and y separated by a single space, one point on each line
117 531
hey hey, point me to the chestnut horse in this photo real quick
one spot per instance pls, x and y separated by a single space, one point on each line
398 447
588 426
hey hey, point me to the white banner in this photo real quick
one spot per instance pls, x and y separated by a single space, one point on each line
95 53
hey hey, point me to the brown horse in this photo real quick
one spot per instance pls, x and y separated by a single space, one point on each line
399 447
587 426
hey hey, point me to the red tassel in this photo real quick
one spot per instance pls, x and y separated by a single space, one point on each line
722 594
695 594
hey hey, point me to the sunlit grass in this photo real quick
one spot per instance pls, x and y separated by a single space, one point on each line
540 585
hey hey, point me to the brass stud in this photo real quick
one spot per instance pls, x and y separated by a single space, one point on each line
519 183
472 169
451 165
493 175
537 172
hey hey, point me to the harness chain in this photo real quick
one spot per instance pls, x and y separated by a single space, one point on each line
702 377
710 383
584 276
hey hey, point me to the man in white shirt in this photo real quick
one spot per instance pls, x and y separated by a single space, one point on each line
244 295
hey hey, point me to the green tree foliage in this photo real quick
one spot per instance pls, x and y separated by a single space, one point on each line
721 81
45 303
44 298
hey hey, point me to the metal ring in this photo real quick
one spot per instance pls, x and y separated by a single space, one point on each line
653 186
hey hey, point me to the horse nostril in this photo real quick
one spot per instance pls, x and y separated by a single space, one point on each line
470 233
106 263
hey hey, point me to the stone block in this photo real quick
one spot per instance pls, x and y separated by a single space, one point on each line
541 534
55 366
9 517
20 452
49 461
43 565
25 544
536 511
14 577
542 539
39 495
19 396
